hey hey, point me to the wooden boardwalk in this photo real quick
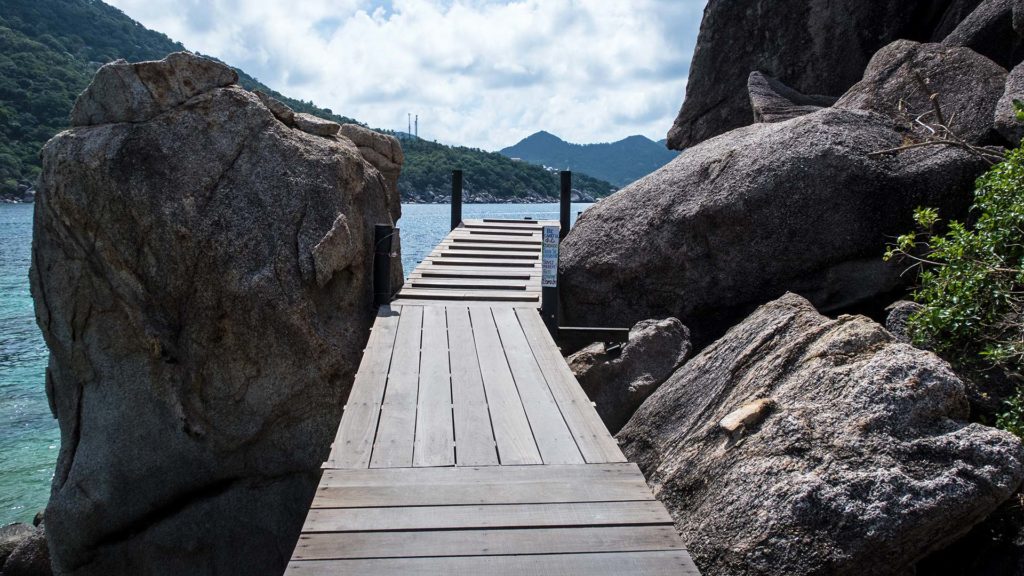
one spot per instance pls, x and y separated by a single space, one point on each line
468 447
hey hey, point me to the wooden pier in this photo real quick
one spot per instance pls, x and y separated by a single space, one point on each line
468 447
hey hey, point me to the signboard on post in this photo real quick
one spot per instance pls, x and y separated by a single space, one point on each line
549 260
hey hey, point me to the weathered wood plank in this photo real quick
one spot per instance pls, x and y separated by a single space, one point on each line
654 563
555 442
591 435
481 262
466 272
481 254
461 476
354 440
328 546
474 440
459 294
512 432
397 428
490 516
468 283
435 431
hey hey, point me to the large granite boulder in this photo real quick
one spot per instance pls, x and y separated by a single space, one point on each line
968 86
202 277
745 217
1006 121
989 30
801 445
773 101
619 380
814 47
30 558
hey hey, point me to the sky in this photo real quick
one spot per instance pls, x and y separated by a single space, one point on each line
479 73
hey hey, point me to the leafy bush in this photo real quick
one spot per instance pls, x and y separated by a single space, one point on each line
971 282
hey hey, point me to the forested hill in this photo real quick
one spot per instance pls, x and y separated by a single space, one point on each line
619 162
49 50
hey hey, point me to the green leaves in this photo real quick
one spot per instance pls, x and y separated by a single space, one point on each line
971 281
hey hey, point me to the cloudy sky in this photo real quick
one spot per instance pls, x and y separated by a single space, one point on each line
482 73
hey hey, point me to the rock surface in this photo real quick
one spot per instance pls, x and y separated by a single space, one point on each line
123 92
863 465
814 47
315 125
968 86
989 30
898 317
202 277
30 558
747 216
11 535
619 383
280 110
1006 121
773 101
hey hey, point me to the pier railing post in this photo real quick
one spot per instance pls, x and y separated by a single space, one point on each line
382 234
456 198
565 203
549 279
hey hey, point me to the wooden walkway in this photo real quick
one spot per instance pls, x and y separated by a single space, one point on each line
467 447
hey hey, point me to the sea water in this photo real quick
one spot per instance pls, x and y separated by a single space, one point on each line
28 433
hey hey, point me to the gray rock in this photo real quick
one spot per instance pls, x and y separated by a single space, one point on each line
1018 16
316 126
956 12
899 315
1006 121
744 217
989 30
968 84
39 518
203 283
862 465
30 558
280 110
773 101
619 383
11 535
123 92
814 47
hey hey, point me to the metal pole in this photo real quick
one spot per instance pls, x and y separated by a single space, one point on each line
382 234
456 198
565 200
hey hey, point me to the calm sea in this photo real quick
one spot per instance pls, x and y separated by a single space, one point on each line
28 434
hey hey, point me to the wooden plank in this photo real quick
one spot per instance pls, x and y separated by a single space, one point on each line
519 255
397 428
474 439
334 545
468 303
482 262
471 273
484 239
591 435
468 283
462 476
512 432
354 440
488 295
555 442
462 246
653 563
491 516
435 432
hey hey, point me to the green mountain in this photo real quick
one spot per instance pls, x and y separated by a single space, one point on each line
619 162
49 50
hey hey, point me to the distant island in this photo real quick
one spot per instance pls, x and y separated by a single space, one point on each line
620 162
50 50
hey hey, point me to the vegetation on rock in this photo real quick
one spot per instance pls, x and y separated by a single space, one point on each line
971 282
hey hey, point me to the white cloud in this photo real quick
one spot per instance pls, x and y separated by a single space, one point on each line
481 73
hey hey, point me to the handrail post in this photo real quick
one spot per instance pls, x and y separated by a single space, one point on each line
382 234
549 279
565 200
456 198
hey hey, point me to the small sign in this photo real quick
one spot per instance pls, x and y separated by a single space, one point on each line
549 261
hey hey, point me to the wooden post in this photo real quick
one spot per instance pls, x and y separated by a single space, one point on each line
382 234
456 198
565 200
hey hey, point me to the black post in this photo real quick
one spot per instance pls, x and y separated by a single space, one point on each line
564 207
382 234
549 308
456 198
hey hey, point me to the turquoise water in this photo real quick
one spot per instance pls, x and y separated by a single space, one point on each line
28 433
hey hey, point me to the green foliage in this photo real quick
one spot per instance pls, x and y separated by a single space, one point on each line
971 283
428 167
